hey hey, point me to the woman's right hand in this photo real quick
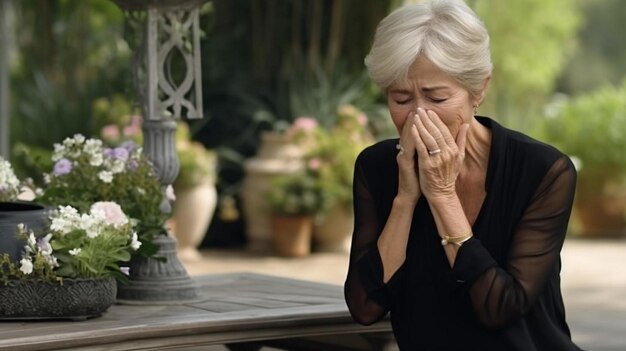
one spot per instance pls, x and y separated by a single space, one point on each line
408 182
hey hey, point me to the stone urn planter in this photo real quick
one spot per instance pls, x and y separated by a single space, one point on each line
333 232
75 299
193 212
276 156
33 215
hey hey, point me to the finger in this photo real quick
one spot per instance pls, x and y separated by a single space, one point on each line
428 140
432 129
406 139
443 129
420 146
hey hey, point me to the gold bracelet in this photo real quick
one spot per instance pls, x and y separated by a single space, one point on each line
457 240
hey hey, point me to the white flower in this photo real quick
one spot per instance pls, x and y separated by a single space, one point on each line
75 251
9 183
92 223
141 191
44 245
32 241
66 220
93 147
59 152
134 242
105 176
51 260
26 266
169 193
79 138
113 213
117 166
96 159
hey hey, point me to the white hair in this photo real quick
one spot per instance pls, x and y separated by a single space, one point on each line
447 32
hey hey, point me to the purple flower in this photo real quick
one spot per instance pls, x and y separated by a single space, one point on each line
133 165
130 146
120 153
108 152
62 166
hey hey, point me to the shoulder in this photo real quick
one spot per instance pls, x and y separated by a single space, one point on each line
524 150
377 162
381 151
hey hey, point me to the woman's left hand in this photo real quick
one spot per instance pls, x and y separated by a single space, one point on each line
440 157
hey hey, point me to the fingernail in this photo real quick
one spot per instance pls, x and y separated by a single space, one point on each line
419 109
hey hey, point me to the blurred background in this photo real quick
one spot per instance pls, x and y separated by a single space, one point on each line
559 76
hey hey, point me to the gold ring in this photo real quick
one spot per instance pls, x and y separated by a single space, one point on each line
434 152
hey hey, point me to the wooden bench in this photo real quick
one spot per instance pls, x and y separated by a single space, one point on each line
240 310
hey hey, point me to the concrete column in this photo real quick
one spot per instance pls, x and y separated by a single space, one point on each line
4 78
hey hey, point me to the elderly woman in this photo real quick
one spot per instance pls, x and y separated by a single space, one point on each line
458 223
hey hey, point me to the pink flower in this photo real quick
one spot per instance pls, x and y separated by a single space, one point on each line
362 119
110 132
315 164
306 124
134 128
113 212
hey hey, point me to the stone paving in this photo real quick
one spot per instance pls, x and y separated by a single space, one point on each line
593 282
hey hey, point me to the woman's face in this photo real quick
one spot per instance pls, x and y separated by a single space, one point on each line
430 88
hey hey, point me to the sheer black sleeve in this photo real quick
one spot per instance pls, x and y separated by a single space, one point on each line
367 297
502 294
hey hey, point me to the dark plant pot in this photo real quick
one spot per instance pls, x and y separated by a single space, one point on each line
76 299
33 215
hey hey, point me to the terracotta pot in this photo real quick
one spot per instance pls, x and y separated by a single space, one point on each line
600 205
193 211
333 232
291 235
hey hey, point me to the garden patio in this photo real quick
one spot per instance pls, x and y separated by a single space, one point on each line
232 98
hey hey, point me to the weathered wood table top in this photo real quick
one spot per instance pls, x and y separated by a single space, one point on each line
234 308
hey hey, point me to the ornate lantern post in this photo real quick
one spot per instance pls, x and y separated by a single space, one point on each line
170 37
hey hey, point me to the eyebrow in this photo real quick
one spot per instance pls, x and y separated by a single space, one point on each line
426 89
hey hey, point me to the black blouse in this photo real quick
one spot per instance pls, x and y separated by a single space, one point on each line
503 292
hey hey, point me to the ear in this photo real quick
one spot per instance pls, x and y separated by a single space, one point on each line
483 91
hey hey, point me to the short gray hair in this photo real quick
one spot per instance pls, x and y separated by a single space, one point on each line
447 32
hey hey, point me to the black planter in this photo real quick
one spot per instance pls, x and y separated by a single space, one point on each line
33 215
75 299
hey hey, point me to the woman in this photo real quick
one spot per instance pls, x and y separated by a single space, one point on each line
459 223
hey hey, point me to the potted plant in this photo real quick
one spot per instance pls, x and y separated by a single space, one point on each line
13 211
85 172
69 270
591 128
330 156
295 199
196 195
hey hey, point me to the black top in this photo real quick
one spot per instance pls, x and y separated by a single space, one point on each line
503 292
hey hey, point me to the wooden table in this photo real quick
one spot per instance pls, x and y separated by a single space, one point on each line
242 311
